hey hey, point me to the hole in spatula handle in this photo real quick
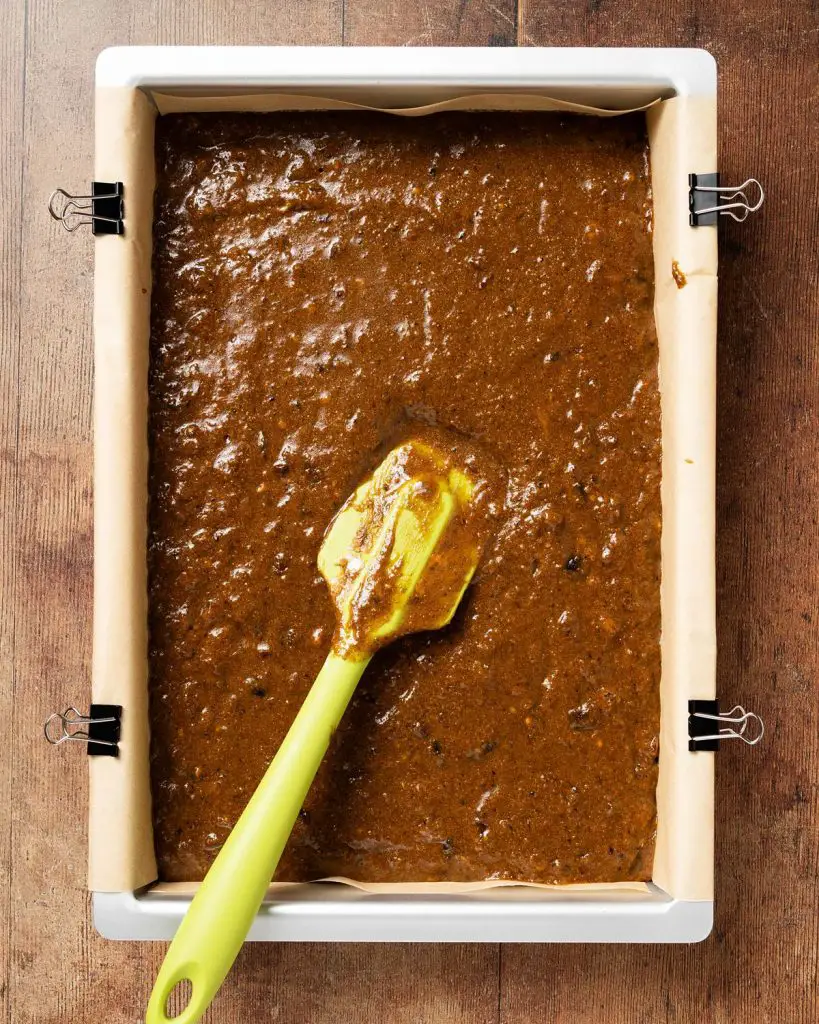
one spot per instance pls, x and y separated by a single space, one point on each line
178 999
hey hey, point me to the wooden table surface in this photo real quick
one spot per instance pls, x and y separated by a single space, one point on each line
760 963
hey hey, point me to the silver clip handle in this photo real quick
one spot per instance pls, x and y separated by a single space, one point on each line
730 193
74 211
736 716
67 727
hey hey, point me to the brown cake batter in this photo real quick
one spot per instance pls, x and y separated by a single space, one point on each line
322 284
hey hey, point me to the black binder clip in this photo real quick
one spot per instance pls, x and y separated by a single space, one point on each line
104 209
708 200
99 729
706 726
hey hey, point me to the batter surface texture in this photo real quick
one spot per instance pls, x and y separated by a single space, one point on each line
324 284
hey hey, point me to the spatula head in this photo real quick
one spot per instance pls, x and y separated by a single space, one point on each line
401 551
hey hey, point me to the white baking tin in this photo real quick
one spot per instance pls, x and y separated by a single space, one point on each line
393 77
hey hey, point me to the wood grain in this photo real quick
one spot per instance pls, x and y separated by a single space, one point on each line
430 23
760 965
12 21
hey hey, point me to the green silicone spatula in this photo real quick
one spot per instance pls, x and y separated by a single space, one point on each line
397 558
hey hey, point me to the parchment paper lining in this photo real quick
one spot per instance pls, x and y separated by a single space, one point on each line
682 136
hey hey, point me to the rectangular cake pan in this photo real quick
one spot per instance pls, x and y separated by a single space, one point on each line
133 86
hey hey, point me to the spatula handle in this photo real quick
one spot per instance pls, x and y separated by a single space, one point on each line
222 911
